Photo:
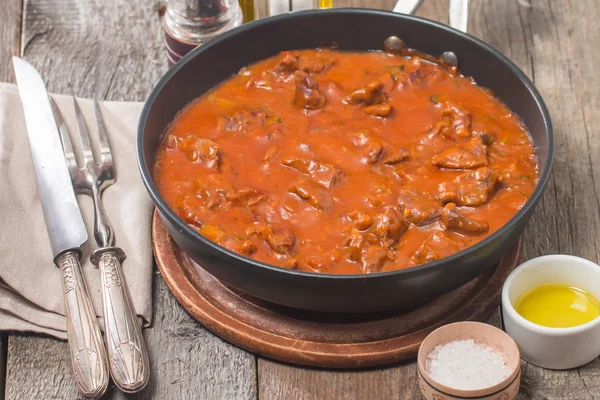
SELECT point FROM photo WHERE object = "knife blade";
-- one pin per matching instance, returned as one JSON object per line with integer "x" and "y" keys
{"x": 66, "y": 230}
{"x": 64, "y": 222}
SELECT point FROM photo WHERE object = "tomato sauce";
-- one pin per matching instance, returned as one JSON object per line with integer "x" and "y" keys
{"x": 341, "y": 162}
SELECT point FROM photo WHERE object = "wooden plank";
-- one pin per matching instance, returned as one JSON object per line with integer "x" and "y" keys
{"x": 10, "y": 36}
{"x": 114, "y": 50}
{"x": 110, "y": 49}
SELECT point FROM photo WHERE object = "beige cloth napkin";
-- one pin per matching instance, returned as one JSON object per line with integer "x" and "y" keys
{"x": 31, "y": 294}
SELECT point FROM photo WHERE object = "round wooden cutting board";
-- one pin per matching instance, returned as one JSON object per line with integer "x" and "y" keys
{"x": 315, "y": 339}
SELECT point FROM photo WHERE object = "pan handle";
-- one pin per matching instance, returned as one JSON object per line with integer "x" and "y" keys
{"x": 407, "y": 6}
{"x": 458, "y": 11}
{"x": 458, "y": 14}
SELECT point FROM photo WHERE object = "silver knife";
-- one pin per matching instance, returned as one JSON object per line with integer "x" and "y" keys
{"x": 66, "y": 230}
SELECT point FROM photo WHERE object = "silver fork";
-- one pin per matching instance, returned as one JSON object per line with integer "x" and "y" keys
{"x": 127, "y": 353}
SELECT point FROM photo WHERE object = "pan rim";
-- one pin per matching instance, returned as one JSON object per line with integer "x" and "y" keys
{"x": 166, "y": 212}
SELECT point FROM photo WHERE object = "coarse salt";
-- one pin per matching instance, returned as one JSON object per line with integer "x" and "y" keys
{"x": 466, "y": 365}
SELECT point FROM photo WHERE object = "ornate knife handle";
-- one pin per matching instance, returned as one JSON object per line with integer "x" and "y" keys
{"x": 124, "y": 341}
{"x": 85, "y": 341}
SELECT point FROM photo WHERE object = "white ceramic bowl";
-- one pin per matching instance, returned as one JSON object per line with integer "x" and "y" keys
{"x": 553, "y": 348}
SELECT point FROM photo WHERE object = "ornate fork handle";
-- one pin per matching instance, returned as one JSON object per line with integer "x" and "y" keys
{"x": 85, "y": 341}
{"x": 124, "y": 341}
{"x": 103, "y": 232}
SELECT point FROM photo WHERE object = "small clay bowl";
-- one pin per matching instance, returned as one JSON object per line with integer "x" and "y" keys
{"x": 481, "y": 334}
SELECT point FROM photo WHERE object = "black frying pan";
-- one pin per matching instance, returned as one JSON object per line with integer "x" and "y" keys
{"x": 358, "y": 30}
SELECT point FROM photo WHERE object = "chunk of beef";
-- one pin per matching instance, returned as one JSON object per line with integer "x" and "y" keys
{"x": 246, "y": 247}
{"x": 355, "y": 243}
{"x": 456, "y": 122}
{"x": 373, "y": 258}
{"x": 242, "y": 246}
{"x": 418, "y": 72}
{"x": 414, "y": 65}
{"x": 382, "y": 196}
{"x": 288, "y": 64}
{"x": 418, "y": 208}
{"x": 243, "y": 121}
{"x": 379, "y": 110}
{"x": 362, "y": 221}
{"x": 393, "y": 173}
{"x": 388, "y": 81}
{"x": 265, "y": 80}
{"x": 404, "y": 78}
{"x": 211, "y": 197}
{"x": 290, "y": 262}
{"x": 455, "y": 220}
{"x": 375, "y": 201}
{"x": 281, "y": 240}
{"x": 190, "y": 210}
{"x": 326, "y": 175}
{"x": 406, "y": 173}
{"x": 322, "y": 261}
{"x": 235, "y": 122}
{"x": 444, "y": 128}
{"x": 389, "y": 226}
{"x": 395, "y": 156}
{"x": 200, "y": 150}
{"x": 304, "y": 165}
{"x": 320, "y": 63}
{"x": 372, "y": 150}
{"x": 171, "y": 142}
{"x": 470, "y": 155}
{"x": 367, "y": 251}
{"x": 204, "y": 199}
{"x": 307, "y": 92}
{"x": 311, "y": 192}
{"x": 461, "y": 119}
{"x": 245, "y": 197}
{"x": 317, "y": 263}
{"x": 370, "y": 146}
{"x": 470, "y": 189}
{"x": 437, "y": 246}
{"x": 373, "y": 93}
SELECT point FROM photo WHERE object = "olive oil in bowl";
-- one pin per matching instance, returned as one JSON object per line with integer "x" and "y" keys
{"x": 557, "y": 306}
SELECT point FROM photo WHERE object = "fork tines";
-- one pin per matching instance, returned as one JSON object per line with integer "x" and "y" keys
{"x": 85, "y": 149}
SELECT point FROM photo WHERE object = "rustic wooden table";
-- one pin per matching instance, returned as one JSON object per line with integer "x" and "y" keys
{"x": 113, "y": 49}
